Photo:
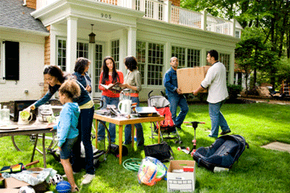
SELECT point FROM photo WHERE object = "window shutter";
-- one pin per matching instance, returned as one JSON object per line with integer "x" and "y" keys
{"x": 11, "y": 60}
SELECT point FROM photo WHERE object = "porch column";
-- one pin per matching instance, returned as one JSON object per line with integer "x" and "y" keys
{"x": 71, "y": 44}
{"x": 203, "y": 55}
{"x": 203, "y": 20}
{"x": 233, "y": 28}
{"x": 132, "y": 41}
{"x": 167, "y": 11}
{"x": 231, "y": 68}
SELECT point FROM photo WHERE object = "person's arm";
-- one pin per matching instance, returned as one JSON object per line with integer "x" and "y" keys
{"x": 100, "y": 82}
{"x": 137, "y": 78}
{"x": 41, "y": 101}
{"x": 200, "y": 88}
{"x": 170, "y": 87}
{"x": 64, "y": 126}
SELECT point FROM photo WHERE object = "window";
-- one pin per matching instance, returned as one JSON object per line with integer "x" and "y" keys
{"x": 1, "y": 62}
{"x": 179, "y": 52}
{"x": 225, "y": 59}
{"x": 11, "y": 60}
{"x": 186, "y": 57}
{"x": 61, "y": 54}
{"x": 82, "y": 51}
{"x": 115, "y": 52}
{"x": 98, "y": 65}
{"x": 155, "y": 63}
{"x": 150, "y": 57}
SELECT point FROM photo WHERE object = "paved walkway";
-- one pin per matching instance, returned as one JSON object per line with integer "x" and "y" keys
{"x": 278, "y": 146}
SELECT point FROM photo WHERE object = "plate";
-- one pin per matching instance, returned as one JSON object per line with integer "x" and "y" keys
{"x": 8, "y": 127}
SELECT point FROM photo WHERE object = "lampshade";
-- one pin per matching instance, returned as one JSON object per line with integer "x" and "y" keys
{"x": 92, "y": 35}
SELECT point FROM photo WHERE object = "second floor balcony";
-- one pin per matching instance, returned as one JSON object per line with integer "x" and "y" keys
{"x": 163, "y": 10}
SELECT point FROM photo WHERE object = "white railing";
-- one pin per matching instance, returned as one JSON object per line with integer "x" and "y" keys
{"x": 185, "y": 17}
{"x": 219, "y": 25}
{"x": 164, "y": 11}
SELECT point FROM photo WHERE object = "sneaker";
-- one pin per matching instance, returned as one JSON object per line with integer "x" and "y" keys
{"x": 88, "y": 178}
{"x": 178, "y": 127}
{"x": 225, "y": 132}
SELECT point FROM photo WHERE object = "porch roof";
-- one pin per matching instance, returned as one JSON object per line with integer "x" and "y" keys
{"x": 16, "y": 16}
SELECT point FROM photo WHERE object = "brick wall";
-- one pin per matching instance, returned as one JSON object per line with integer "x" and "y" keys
{"x": 176, "y": 2}
{"x": 31, "y": 4}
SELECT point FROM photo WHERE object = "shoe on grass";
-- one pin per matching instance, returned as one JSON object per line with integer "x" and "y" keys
{"x": 225, "y": 132}
{"x": 88, "y": 178}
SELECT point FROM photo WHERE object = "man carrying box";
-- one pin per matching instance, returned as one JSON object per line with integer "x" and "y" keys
{"x": 175, "y": 96}
{"x": 215, "y": 80}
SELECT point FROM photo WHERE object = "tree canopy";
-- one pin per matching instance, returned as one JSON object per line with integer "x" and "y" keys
{"x": 265, "y": 42}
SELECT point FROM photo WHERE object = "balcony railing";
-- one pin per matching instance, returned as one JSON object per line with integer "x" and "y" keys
{"x": 163, "y": 10}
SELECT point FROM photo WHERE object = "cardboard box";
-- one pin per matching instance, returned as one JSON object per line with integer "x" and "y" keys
{"x": 180, "y": 181}
{"x": 189, "y": 79}
{"x": 14, "y": 184}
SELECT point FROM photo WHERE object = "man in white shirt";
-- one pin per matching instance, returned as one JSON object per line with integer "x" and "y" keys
{"x": 215, "y": 81}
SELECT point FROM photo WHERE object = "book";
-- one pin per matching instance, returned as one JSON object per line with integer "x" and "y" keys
{"x": 116, "y": 87}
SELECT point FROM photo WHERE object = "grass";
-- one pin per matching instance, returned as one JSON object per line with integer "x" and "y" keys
{"x": 258, "y": 169}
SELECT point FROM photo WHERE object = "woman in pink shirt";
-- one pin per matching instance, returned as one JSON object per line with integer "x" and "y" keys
{"x": 109, "y": 76}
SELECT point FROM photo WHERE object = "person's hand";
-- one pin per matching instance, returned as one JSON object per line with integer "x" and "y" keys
{"x": 124, "y": 85}
{"x": 178, "y": 90}
{"x": 89, "y": 88}
{"x": 195, "y": 92}
{"x": 59, "y": 148}
{"x": 32, "y": 107}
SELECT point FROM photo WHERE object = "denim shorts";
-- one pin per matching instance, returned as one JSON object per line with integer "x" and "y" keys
{"x": 66, "y": 148}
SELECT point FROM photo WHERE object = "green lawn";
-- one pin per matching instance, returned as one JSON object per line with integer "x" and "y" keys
{"x": 258, "y": 169}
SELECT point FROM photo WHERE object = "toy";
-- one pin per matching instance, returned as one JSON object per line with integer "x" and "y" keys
{"x": 26, "y": 189}
{"x": 193, "y": 149}
{"x": 55, "y": 179}
{"x": 63, "y": 187}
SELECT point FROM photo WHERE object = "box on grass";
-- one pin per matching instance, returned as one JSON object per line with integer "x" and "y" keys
{"x": 189, "y": 79}
{"x": 178, "y": 179}
{"x": 12, "y": 185}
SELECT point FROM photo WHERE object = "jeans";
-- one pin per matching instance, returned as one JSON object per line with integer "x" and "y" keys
{"x": 178, "y": 100}
{"x": 217, "y": 118}
{"x": 112, "y": 127}
{"x": 85, "y": 128}
{"x": 138, "y": 126}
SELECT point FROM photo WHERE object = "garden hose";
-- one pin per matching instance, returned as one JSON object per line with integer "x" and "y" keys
{"x": 132, "y": 164}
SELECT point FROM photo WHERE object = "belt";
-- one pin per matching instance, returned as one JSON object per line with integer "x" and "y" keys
{"x": 134, "y": 94}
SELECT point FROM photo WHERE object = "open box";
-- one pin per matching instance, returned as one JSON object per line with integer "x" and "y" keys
{"x": 189, "y": 79}
{"x": 178, "y": 179}
{"x": 12, "y": 185}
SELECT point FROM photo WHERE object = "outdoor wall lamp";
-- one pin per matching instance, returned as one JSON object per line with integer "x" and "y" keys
{"x": 92, "y": 35}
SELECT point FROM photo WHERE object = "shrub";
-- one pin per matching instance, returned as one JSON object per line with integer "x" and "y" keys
{"x": 234, "y": 90}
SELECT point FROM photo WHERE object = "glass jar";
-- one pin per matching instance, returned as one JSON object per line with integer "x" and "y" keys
{"x": 5, "y": 114}
{"x": 126, "y": 94}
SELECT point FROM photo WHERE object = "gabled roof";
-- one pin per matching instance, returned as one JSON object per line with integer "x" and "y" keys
{"x": 14, "y": 15}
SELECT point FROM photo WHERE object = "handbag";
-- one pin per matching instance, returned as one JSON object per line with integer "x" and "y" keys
{"x": 161, "y": 151}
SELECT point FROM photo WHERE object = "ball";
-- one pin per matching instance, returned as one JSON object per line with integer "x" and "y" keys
{"x": 26, "y": 189}
{"x": 63, "y": 187}
{"x": 55, "y": 179}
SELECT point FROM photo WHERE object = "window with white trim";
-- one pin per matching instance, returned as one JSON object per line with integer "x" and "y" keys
{"x": 187, "y": 57}
{"x": 115, "y": 52}
{"x": 150, "y": 57}
{"x": 98, "y": 65}
{"x": 82, "y": 51}
{"x": 225, "y": 59}
{"x": 1, "y": 62}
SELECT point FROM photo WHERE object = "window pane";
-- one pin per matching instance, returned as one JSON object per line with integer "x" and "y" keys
{"x": 115, "y": 52}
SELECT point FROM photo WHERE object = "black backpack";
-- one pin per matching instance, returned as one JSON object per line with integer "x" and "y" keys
{"x": 222, "y": 153}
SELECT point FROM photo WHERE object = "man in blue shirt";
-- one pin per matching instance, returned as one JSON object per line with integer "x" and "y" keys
{"x": 174, "y": 94}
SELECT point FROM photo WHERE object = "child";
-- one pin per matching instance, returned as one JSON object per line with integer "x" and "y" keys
{"x": 67, "y": 132}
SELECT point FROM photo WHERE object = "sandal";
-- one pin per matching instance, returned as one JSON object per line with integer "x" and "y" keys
{"x": 76, "y": 189}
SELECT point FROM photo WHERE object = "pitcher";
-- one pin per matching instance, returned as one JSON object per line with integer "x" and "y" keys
{"x": 24, "y": 117}
{"x": 124, "y": 106}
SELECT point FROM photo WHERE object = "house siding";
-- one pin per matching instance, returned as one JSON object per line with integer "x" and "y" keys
{"x": 31, "y": 4}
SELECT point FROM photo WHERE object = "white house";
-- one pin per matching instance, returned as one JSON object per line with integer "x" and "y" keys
{"x": 57, "y": 32}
